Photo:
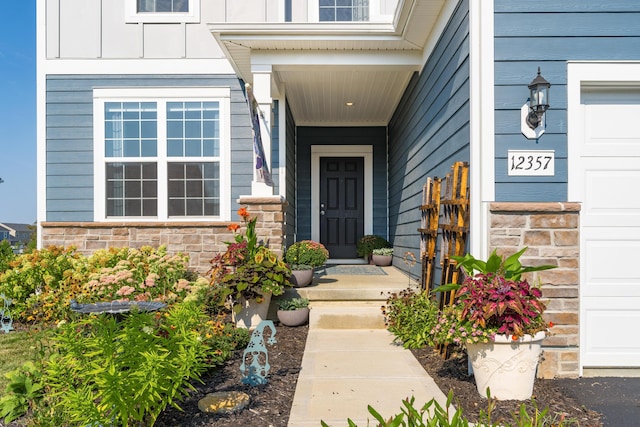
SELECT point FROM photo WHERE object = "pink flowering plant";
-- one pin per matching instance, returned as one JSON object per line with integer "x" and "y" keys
{"x": 144, "y": 274}
{"x": 496, "y": 300}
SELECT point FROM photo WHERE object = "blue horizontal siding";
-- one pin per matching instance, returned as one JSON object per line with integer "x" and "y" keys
{"x": 548, "y": 34}
{"x": 69, "y": 134}
{"x": 429, "y": 132}
{"x": 308, "y": 136}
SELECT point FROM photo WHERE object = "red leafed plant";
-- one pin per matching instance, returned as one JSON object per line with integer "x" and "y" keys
{"x": 495, "y": 300}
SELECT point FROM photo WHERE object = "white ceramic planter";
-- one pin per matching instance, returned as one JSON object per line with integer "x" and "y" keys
{"x": 252, "y": 313}
{"x": 301, "y": 278}
{"x": 507, "y": 367}
{"x": 382, "y": 260}
{"x": 296, "y": 317}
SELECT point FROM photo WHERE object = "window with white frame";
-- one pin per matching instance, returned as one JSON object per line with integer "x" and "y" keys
{"x": 162, "y": 11}
{"x": 344, "y": 10}
{"x": 161, "y": 153}
{"x": 163, "y": 6}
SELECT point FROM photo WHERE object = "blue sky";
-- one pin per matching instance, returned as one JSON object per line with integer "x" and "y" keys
{"x": 18, "y": 112}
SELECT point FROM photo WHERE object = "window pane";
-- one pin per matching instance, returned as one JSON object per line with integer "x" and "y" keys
{"x": 194, "y": 207}
{"x": 343, "y": 14}
{"x": 131, "y": 189}
{"x": 327, "y": 15}
{"x": 149, "y": 148}
{"x": 193, "y": 189}
{"x": 211, "y": 207}
{"x": 131, "y": 148}
{"x": 190, "y": 128}
{"x": 193, "y": 148}
{"x": 124, "y": 120}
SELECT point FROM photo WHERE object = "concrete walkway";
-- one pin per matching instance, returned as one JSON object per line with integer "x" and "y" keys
{"x": 350, "y": 360}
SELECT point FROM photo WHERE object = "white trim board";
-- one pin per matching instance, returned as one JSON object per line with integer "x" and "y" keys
{"x": 318, "y": 151}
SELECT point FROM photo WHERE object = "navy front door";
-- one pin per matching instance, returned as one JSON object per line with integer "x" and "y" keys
{"x": 341, "y": 204}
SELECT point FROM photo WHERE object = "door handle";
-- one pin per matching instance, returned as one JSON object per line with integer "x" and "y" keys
{"x": 321, "y": 212}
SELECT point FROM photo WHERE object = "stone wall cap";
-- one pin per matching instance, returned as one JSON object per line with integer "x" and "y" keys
{"x": 136, "y": 224}
{"x": 261, "y": 200}
{"x": 534, "y": 207}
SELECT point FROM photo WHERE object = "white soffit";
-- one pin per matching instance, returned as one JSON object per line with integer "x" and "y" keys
{"x": 325, "y": 65}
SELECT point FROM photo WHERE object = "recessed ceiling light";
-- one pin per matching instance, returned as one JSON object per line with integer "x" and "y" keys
{"x": 349, "y": 104}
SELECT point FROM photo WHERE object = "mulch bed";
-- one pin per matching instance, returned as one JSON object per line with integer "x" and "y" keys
{"x": 270, "y": 404}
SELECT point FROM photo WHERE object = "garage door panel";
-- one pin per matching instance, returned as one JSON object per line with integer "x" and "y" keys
{"x": 611, "y": 198}
{"x": 611, "y": 130}
{"x": 611, "y": 263}
{"x": 607, "y": 343}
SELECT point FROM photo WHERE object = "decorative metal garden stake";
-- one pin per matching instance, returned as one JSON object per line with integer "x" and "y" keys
{"x": 256, "y": 352}
{"x": 5, "y": 315}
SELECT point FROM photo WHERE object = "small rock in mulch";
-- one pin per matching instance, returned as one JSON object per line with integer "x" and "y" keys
{"x": 224, "y": 402}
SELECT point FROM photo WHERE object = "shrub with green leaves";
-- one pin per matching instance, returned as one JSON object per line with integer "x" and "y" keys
{"x": 6, "y": 255}
{"x": 25, "y": 388}
{"x": 410, "y": 316}
{"x": 125, "y": 372}
{"x": 42, "y": 283}
{"x": 368, "y": 243}
{"x": 32, "y": 277}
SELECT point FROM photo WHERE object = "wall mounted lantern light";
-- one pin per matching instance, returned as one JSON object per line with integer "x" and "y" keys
{"x": 533, "y": 113}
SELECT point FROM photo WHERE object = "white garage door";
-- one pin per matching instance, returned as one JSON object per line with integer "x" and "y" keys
{"x": 609, "y": 165}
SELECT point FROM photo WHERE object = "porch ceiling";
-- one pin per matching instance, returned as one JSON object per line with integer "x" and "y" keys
{"x": 322, "y": 66}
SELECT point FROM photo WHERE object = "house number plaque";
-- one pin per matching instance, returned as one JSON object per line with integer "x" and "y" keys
{"x": 531, "y": 163}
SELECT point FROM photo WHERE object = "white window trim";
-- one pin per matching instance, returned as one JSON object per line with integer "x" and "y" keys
{"x": 150, "y": 94}
{"x": 318, "y": 151}
{"x": 133, "y": 17}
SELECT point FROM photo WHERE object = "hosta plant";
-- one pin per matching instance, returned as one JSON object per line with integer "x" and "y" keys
{"x": 496, "y": 300}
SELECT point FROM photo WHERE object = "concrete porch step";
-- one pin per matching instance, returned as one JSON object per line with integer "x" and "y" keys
{"x": 348, "y": 301}
{"x": 346, "y": 315}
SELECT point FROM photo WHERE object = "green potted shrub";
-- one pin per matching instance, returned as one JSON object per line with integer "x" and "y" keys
{"x": 498, "y": 317}
{"x": 303, "y": 257}
{"x": 366, "y": 245}
{"x": 382, "y": 257}
{"x": 294, "y": 311}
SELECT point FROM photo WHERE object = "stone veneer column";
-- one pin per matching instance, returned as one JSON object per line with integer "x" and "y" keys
{"x": 551, "y": 233}
{"x": 270, "y": 226}
{"x": 201, "y": 241}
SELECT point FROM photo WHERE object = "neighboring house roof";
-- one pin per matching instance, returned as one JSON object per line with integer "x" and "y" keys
{"x": 16, "y": 230}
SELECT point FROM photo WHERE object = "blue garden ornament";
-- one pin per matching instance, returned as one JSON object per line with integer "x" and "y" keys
{"x": 6, "y": 320}
{"x": 257, "y": 356}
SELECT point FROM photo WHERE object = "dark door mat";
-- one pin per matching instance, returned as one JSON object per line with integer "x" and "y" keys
{"x": 356, "y": 270}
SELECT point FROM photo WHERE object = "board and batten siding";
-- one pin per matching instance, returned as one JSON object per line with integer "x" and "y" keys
{"x": 547, "y": 34}
{"x": 69, "y": 135}
{"x": 429, "y": 132}
{"x": 103, "y": 32}
{"x": 308, "y": 136}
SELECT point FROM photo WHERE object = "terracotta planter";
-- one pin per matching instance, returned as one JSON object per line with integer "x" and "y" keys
{"x": 296, "y": 317}
{"x": 382, "y": 260}
{"x": 301, "y": 278}
{"x": 507, "y": 367}
{"x": 252, "y": 313}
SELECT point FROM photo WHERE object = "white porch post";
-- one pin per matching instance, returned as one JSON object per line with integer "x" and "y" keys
{"x": 262, "y": 93}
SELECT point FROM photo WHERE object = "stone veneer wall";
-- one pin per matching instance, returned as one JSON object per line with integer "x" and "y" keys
{"x": 200, "y": 240}
{"x": 551, "y": 232}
